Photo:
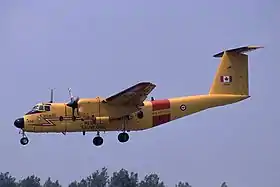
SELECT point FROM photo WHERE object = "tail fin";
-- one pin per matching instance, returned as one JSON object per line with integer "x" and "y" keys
{"x": 232, "y": 73}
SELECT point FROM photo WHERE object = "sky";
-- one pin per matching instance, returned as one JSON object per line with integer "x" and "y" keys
{"x": 99, "y": 48}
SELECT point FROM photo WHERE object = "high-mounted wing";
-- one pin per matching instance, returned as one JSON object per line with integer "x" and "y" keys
{"x": 133, "y": 96}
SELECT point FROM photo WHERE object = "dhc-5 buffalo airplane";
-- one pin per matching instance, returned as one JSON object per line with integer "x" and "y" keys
{"x": 129, "y": 110}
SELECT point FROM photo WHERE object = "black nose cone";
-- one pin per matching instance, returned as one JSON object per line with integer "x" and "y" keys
{"x": 19, "y": 123}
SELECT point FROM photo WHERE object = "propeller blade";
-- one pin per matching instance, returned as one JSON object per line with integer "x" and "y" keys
{"x": 70, "y": 93}
{"x": 73, "y": 103}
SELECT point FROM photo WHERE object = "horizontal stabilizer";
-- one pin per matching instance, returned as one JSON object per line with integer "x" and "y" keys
{"x": 238, "y": 50}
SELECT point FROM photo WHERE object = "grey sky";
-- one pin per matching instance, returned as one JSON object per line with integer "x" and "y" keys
{"x": 99, "y": 48}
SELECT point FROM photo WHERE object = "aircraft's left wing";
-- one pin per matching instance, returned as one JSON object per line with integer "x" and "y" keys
{"x": 132, "y": 96}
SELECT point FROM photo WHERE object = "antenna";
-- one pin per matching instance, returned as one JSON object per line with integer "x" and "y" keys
{"x": 51, "y": 101}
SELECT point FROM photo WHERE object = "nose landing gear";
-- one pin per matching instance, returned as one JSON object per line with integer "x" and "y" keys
{"x": 24, "y": 140}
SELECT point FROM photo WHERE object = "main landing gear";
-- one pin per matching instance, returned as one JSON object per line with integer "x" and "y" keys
{"x": 97, "y": 140}
{"x": 122, "y": 137}
{"x": 24, "y": 140}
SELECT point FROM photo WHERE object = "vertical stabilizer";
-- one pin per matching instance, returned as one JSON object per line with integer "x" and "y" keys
{"x": 232, "y": 74}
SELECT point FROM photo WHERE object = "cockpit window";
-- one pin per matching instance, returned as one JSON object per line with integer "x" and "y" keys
{"x": 36, "y": 107}
{"x": 39, "y": 108}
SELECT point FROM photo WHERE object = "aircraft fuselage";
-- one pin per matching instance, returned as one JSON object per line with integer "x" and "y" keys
{"x": 154, "y": 113}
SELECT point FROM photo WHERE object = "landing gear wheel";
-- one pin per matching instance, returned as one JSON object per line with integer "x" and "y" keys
{"x": 123, "y": 137}
{"x": 97, "y": 141}
{"x": 24, "y": 141}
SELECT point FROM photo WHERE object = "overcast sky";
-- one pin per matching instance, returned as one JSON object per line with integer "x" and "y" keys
{"x": 100, "y": 48}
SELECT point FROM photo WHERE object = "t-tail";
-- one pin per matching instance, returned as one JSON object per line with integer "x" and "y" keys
{"x": 232, "y": 75}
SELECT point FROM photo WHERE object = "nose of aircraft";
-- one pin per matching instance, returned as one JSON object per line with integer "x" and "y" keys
{"x": 19, "y": 123}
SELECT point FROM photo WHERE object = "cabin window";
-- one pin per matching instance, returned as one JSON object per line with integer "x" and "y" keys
{"x": 47, "y": 108}
{"x": 41, "y": 108}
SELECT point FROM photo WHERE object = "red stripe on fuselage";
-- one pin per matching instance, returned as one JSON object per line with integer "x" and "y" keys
{"x": 158, "y": 120}
{"x": 160, "y": 104}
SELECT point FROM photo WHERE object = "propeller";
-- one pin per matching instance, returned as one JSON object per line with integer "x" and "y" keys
{"x": 73, "y": 103}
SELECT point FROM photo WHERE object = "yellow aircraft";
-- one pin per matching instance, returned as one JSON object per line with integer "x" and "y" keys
{"x": 129, "y": 110}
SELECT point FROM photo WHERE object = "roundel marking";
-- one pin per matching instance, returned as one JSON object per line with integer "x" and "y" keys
{"x": 183, "y": 107}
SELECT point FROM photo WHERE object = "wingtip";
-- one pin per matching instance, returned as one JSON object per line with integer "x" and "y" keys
{"x": 152, "y": 84}
{"x": 255, "y": 46}
{"x": 147, "y": 83}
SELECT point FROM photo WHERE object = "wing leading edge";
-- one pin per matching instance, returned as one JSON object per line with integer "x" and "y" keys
{"x": 132, "y": 96}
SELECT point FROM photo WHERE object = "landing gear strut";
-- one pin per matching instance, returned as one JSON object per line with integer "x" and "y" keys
{"x": 97, "y": 140}
{"x": 123, "y": 136}
{"x": 24, "y": 140}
